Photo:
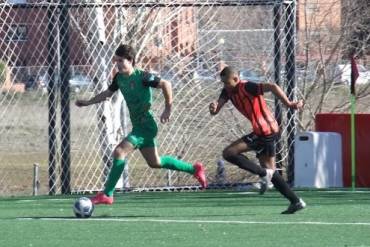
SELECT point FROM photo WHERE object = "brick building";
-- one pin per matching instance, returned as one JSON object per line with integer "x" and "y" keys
{"x": 24, "y": 37}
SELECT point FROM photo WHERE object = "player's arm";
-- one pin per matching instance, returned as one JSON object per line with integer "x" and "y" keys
{"x": 216, "y": 106}
{"x": 152, "y": 80}
{"x": 278, "y": 92}
{"x": 167, "y": 93}
{"x": 106, "y": 94}
{"x": 96, "y": 99}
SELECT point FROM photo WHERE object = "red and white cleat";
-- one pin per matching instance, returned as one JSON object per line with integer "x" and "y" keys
{"x": 200, "y": 174}
{"x": 102, "y": 198}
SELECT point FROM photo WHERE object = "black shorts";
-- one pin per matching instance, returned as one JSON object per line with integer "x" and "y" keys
{"x": 263, "y": 145}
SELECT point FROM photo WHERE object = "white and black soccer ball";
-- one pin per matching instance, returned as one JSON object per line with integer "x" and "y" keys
{"x": 83, "y": 207}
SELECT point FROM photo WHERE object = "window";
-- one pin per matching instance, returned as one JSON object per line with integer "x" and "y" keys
{"x": 17, "y": 32}
{"x": 16, "y": 1}
{"x": 312, "y": 8}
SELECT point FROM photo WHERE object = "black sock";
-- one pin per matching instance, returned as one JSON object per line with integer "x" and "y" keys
{"x": 246, "y": 164}
{"x": 283, "y": 187}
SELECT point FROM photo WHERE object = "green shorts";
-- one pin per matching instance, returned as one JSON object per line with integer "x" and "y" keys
{"x": 143, "y": 134}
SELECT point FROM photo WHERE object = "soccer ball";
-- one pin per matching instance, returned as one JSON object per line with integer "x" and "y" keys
{"x": 83, "y": 207}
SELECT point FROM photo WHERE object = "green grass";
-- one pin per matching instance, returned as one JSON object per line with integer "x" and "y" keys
{"x": 190, "y": 219}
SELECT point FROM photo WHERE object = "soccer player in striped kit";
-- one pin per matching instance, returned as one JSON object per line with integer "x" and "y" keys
{"x": 248, "y": 98}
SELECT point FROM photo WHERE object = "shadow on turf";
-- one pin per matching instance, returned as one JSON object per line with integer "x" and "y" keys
{"x": 124, "y": 216}
{"x": 74, "y": 218}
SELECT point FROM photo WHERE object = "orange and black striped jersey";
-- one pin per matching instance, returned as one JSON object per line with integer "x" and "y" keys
{"x": 248, "y": 98}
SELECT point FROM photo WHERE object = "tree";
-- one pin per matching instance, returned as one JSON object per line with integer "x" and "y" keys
{"x": 323, "y": 44}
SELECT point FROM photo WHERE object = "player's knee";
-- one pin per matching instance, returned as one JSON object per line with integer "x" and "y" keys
{"x": 154, "y": 165}
{"x": 227, "y": 154}
{"x": 119, "y": 153}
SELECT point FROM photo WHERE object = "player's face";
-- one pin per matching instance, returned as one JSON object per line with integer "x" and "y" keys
{"x": 230, "y": 82}
{"x": 123, "y": 65}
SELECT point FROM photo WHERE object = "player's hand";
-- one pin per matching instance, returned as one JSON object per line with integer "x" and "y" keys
{"x": 165, "y": 117}
{"x": 298, "y": 105}
{"x": 213, "y": 108}
{"x": 81, "y": 103}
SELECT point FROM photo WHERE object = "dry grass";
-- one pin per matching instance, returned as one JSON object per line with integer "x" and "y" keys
{"x": 194, "y": 136}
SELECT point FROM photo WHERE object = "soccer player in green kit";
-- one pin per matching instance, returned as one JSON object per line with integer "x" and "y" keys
{"x": 135, "y": 85}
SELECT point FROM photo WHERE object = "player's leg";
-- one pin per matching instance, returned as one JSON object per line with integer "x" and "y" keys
{"x": 119, "y": 155}
{"x": 265, "y": 149}
{"x": 152, "y": 158}
{"x": 279, "y": 183}
{"x": 233, "y": 154}
{"x": 266, "y": 180}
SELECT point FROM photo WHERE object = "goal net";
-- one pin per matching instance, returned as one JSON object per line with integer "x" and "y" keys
{"x": 54, "y": 53}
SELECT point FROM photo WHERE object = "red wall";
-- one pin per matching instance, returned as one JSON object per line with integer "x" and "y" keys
{"x": 331, "y": 122}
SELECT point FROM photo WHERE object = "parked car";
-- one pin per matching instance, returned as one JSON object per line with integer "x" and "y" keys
{"x": 307, "y": 74}
{"x": 171, "y": 76}
{"x": 79, "y": 81}
{"x": 249, "y": 75}
{"x": 203, "y": 75}
{"x": 30, "y": 83}
{"x": 76, "y": 82}
{"x": 43, "y": 80}
{"x": 343, "y": 74}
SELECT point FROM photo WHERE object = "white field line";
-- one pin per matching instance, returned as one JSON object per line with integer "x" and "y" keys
{"x": 206, "y": 221}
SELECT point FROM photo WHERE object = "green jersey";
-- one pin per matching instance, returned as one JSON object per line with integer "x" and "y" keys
{"x": 136, "y": 89}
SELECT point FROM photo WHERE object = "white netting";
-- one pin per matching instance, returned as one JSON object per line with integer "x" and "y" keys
{"x": 44, "y": 46}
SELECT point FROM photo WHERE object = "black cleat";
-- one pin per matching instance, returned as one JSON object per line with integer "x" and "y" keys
{"x": 263, "y": 187}
{"x": 295, "y": 207}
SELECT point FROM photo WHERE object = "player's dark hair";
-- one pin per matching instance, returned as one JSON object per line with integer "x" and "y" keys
{"x": 126, "y": 51}
{"x": 227, "y": 72}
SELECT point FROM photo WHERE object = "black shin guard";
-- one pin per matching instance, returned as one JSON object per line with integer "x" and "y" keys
{"x": 282, "y": 186}
{"x": 246, "y": 164}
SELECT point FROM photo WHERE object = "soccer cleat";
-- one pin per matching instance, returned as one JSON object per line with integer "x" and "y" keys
{"x": 263, "y": 187}
{"x": 266, "y": 180}
{"x": 200, "y": 174}
{"x": 294, "y": 207}
{"x": 101, "y": 198}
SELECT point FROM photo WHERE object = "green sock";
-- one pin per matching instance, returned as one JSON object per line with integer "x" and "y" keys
{"x": 114, "y": 175}
{"x": 169, "y": 162}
